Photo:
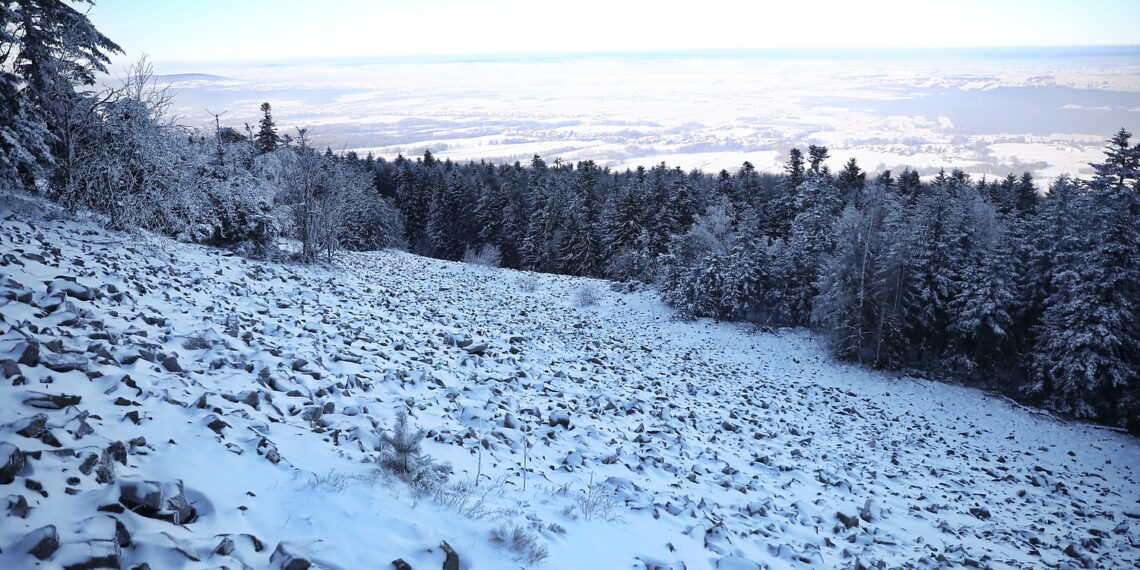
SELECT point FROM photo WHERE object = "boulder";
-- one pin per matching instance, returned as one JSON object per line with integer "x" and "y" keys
{"x": 289, "y": 556}
{"x": 52, "y": 401}
{"x": 559, "y": 418}
{"x": 451, "y": 559}
{"x": 32, "y": 427}
{"x": 9, "y": 368}
{"x": 157, "y": 500}
{"x": 18, "y": 506}
{"x": 43, "y": 541}
{"x": 29, "y": 353}
{"x": 11, "y": 462}
{"x": 65, "y": 362}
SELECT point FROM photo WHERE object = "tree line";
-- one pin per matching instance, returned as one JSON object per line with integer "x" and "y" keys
{"x": 986, "y": 281}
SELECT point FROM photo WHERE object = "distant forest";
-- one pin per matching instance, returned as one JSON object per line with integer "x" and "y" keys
{"x": 989, "y": 282}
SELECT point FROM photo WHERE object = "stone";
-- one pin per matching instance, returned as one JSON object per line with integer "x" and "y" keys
{"x": 32, "y": 427}
{"x": 63, "y": 362}
{"x": 44, "y": 541}
{"x": 849, "y": 521}
{"x": 9, "y": 368}
{"x": 225, "y": 547}
{"x": 72, "y": 289}
{"x": 11, "y": 462}
{"x": 18, "y": 506}
{"x": 29, "y": 354}
{"x": 399, "y": 564}
{"x": 170, "y": 363}
{"x": 559, "y": 418}
{"x": 52, "y": 401}
{"x": 157, "y": 500}
{"x": 90, "y": 554}
{"x": 289, "y": 556}
{"x": 451, "y": 558}
{"x": 216, "y": 424}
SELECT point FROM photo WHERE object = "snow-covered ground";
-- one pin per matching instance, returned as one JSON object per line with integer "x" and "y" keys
{"x": 610, "y": 435}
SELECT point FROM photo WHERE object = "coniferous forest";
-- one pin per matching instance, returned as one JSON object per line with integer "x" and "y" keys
{"x": 1029, "y": 288}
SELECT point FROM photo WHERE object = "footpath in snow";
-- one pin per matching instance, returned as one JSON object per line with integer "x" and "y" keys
{"x": 174, "y": 406}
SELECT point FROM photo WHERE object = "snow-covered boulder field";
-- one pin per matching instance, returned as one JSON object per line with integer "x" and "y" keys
{"x": 170, "y": 406}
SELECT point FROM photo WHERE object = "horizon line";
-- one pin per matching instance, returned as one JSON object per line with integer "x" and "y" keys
{"x": 666, "y": 53}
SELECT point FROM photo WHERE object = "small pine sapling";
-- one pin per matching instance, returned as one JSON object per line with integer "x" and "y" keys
{"x": 402, "y": 446}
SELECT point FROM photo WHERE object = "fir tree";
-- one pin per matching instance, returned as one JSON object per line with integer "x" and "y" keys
{"x": 266, "y": 140}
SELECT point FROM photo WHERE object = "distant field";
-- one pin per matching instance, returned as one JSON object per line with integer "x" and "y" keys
{"x": 985, "y": 112}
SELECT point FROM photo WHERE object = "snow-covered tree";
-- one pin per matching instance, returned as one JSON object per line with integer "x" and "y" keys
{"x": 266, "y": 140}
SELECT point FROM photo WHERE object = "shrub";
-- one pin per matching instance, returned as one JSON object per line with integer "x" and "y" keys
{"x": 487, "y": 255}
{"x": 528, "y": 283}
{"x": 401, "y": 455}
{"x": 521, "y": 541}
{"x": 586, "y": 295}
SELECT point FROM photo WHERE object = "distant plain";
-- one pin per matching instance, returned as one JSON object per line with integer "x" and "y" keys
{"x": 988, "y": 112}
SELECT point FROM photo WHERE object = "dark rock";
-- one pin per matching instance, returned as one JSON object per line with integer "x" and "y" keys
{"x": 157, "y": 500}
{"x": 399, "y": 564}
{"x": 30, "y": 354}
{"x": 18, "y": 506}
{"x": 216, "y": 424}
{"x": 118, "y": 452}
{"x": 11, "y": 462}
{"x": 32, "y": 427}
{"x": 88, "y": 463}
{"x": 451, "y": 561}
{"x": 170, "y": 363}
{"x": 252, "y": 399}
{"x": 94, "y": 554}
{"x": 72, "y": 289}
{"x": 559, "y": 418}
{"x": 981, "y": 512}
{"x": 289, "y": 556}
{"x": 63, "y": 362}
{"x": 52, "y": 401}
{"x": 10, "y": 368}
{"x": 225, "y": 547}
{"x": 849, "y": 521}
{"x": 44, "y": 541}
{"x": 105, "y": 472}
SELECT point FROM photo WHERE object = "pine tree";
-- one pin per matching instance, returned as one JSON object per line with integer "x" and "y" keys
{"x": 266, "y": 140}
{"x": 816, "y": 155}
{"x": 47, "y": 49}
{"x": 402, "y": 454}
{"x": 983, "y": 300}
{"x": 1087, "y": 353}
{"x": 812, "y": 237}
{"x": 781, "y": 210}
{"x": 851, "y": 181}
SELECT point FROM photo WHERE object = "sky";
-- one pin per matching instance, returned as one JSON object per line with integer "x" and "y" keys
{"x": 228, "y": 30}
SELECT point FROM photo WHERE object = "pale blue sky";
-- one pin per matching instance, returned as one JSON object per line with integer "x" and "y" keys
{"x": 215, "y": 30}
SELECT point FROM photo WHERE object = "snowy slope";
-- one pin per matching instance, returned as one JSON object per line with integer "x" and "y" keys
{"x": 648, "y": 443}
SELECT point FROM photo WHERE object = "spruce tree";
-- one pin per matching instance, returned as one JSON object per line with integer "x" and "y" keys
{"x": 47, "y": 50}
{"x": 266, "y": 140}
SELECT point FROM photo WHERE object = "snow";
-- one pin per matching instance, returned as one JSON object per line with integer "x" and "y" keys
{"x": 616, "y": 435}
